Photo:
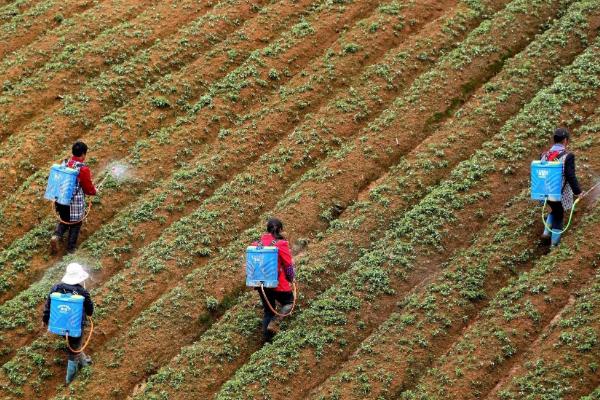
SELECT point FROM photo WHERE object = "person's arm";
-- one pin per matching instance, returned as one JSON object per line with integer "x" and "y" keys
{"x": 570, "y": 175}
{"x": 85, "y": 180}
{"x": 288, "y": 264}
{"x": 46, "y": 314}
{"x": 88, "y": 304}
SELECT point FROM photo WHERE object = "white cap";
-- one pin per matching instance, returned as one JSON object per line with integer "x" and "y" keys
{"x": 75, "y": 274}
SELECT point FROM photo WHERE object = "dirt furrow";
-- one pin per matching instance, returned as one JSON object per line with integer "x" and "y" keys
{"x": 29, "y": 24}
{"x": 46, "y": 90}
{"x": 432, "y": 158}
{"x": 349, "y": 310}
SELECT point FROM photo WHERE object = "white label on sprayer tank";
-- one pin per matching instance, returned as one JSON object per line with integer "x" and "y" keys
{"x": 63, "y": 308}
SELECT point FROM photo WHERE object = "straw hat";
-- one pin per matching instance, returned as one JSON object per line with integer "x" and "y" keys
{"x": 75, "y": 274}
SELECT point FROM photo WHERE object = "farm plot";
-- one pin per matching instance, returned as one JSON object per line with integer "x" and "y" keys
{"x": 349, "y": 303}
{"x": 153, "y": 201}
{"x": 157, "y": 247}
{"x": 374, "y": 129}
{"x": 23, "y": 22}
{"x": 351, "y": 233}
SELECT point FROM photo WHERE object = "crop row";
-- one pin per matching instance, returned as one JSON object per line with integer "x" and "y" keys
{"x": 567, "y": 360}
{"x": 139, "y": 70}
{"x": 389, "y": 195}
{"x": 361, "y": 298}
{"x": 236, "y": 214}
{"x": 81, "y": 27}
{"x": 229, "y": 216}
{"x": 47, "y": 91}
{"x": 27, "y": 23}
{"x": 185, "y": 180}
{"x": 123, "y": 226}
{"x": 64, "y": 65}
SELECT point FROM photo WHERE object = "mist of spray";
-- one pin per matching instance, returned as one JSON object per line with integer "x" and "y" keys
{"x": 118, "y": 171}
{"x": 593, "y": 195}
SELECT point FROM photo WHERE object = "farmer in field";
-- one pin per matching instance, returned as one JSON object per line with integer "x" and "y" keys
{"x": 71, "y": 216}
{"x": 571, "y": 189}
{"x": 73, "y": 282}
{"x": 282, "y": 294}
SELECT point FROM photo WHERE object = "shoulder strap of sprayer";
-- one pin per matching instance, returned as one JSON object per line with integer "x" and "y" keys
{"x": 553, "y": 155}
{"x": 260, "y": 243}
{"x": 76, "y": 165}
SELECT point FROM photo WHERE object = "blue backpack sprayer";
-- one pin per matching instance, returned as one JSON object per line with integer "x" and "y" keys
{"x": 66, "y": 314}
{"x": 547, "y": 182}
{"x": 262, "y": 271}
{"x": 62, "y": 183}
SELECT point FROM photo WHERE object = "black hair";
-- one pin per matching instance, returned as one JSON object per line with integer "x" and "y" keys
{"x": 79, "y": 149}
{"x": 560, "y": 134}
{"x": 275, "y": 227}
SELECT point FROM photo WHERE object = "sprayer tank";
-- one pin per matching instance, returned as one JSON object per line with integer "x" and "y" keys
{"x": 546, "y": 180}
{"x": 261, "y": 266}
{"x": 66, "y": 314}
{"x": 61, "y": 184}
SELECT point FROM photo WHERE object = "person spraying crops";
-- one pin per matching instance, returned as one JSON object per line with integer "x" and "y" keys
{"x": 270, "y": 270}
{"x": 556, "y": 168}
{"x": 64, "y": 314}
{"x": 69, "y": 183}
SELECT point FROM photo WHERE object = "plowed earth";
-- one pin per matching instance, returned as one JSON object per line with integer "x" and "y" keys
{"x": 393, "y": 138}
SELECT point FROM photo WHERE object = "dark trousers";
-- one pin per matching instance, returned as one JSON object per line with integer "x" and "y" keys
{"x": 558, "y": 214}
{"x": 555, "y": 221}
{"x": 274, "y": 297}
{"x": 65, "y": 215}
{"x": 75, "y": 343}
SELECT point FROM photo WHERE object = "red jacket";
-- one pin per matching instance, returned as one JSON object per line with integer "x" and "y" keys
{"x": 84, "y": 177}
{"x": 284, "y": 260}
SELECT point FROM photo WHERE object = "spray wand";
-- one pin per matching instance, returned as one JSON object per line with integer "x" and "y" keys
{"x": 581, "y": 196}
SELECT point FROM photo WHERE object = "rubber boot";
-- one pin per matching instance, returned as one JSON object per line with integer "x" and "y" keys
{"x": 72, "y": 368}
{"x": 54, "y": 245}
{"x": 274, "y": 324}
{"x": 545, "y": 238}
{"x": 555, "y": 241}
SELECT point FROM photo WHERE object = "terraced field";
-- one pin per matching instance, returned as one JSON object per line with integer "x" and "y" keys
{"x": 393, "y": 138}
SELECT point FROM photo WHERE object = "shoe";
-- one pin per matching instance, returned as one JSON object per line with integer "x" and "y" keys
{"x": 545, "y": 240}
{"x": 273, "y": 326}
{"x": 54, "y": 240}
{"x": 72, "y": 368}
